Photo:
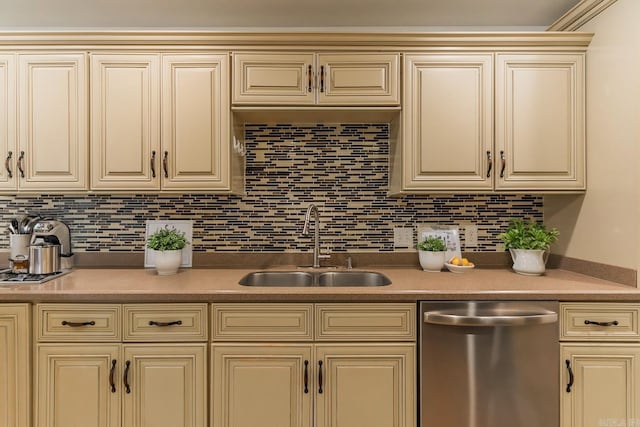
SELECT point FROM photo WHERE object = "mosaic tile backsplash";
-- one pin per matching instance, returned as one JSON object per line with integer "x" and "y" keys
{"x": 342, "y": 168}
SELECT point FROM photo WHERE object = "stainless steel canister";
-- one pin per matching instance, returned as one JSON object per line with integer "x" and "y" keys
{"x": 44, "y": 259}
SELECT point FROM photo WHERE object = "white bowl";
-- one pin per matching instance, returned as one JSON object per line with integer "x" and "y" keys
{"x": 458, "y": 268}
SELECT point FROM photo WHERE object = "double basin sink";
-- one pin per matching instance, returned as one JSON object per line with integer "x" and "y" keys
{"x": 315, "y": 278}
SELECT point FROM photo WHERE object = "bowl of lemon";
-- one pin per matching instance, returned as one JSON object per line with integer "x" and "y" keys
{"x": 459, "y": 265}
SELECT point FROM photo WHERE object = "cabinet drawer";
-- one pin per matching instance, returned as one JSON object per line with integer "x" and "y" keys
{"x": 78, "y": 322}
{"x": 165, "y": 322}
{"x": 618, "y": 322}
{"x": 365, "y": 322}
{"x": 261, "y": 322}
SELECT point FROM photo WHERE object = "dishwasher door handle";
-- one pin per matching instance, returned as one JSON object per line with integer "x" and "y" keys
{"x": 499, "y": 318}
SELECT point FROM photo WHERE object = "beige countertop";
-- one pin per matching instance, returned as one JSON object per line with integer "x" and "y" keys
{"x": 408, "y": 284}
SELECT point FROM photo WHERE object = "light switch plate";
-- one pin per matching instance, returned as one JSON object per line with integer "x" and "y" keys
{"x": 186, "y": 226}
{"x": 402, "y": 238}
{"x": 470, "y": 236}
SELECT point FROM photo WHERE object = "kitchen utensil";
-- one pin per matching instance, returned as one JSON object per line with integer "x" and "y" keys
{"x": 14, "y": 226}
{"x": 44, "y": 259}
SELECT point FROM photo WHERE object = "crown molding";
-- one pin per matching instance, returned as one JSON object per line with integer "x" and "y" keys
{"x": 580, "y": 14}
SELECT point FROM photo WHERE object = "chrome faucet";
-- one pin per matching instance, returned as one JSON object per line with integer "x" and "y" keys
{"x": 313, "y": 210}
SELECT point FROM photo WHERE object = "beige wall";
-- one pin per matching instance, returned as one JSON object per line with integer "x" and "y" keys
{"x": 603, "y": 225}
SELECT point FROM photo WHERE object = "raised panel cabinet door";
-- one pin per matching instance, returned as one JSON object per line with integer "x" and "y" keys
{"x": 125, "y": 122}
{"x": 266, "y": 385}
{"x": 273, "y": 78}
{"x": 165, "y": 385}
{"x": 15, "y": 354}
{"x": 366, "y": 385}
{"x": 448, "y": 122}
{"x": 78, "y": 385}
{"x": 540, "y": 122}
{"x": 53, "y": 138}
{"x": 195, "y": 122}
{"x": 606, "y": 385}
{"x": 8, "y": 105}
{"x": 358, "y": 79}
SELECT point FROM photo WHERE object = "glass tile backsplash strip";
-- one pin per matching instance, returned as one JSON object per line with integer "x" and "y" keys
{"x": 343, "y": 168}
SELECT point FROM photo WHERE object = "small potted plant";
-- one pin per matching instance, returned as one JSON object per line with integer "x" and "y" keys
{"x": 167, "y": 244}
{"x": 432, "y": 252}
{"x": 528, "y": 242}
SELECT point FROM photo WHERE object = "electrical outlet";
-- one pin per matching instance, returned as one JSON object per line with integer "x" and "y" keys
{"x": 470, "y": 236}
{"x": 402, "y": 238}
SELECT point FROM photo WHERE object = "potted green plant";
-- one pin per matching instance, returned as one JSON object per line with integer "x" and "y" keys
{"x": 432, "y": 252}
{"x": 528, "y": 242}
{"x": 167, "y": 244}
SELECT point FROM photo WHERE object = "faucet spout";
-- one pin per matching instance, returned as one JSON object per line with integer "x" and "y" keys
{"x": 313, "y": 210}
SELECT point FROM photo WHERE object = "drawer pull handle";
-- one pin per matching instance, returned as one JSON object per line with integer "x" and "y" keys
{"x": 111, "y": 376}
{"x": 321, "y": 78}
{"x": 310, "y": 76}
{"x": 153, "y": 164}
{"x": 175, "y": 322}
{"x": 306, "y": 376}
{"x": 320, "y": 376}
{"x": 165, "y": 166}
{"x": 591, "y": 322}
{"x": 78, "y": 324}
{"x": 489, "y": 164}
{"x": 570, "y": 384}
{"x": 504, "y": 164}
{"x": 127, "y": 387}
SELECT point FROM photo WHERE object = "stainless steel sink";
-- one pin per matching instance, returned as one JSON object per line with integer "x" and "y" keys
{"x": 316, "y": 278}
{"x": 353, "y": 278}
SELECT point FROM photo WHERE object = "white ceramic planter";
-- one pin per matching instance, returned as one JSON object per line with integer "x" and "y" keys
{"x": 431, "y": 261}
{"x": 530, "y": 262}
{"x": 168, "y": 262}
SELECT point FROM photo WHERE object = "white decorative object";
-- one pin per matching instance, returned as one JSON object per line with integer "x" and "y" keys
{"x": 530, "y": 262}
{"x": 186, "y": 226}
{"x": 449, "y": 234}
{"x": 432, "y": 261}
{"x": 168, "y": 262}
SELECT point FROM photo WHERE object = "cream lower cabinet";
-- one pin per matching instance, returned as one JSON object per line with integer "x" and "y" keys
{"x": 283, "y": 374}
{"x": 15, "y": 366}
{"x": 113, "y": 381}
{"x": 160, "y": 122}
{"x": 600, "y": 358}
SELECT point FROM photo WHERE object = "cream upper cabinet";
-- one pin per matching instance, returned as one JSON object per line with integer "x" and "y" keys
{"x": 452, "y": 141}
{"x": 540, "y": 121}
{"x": 355, "y": 79}
{"x": 160, "y": 122}
{"x": 15, "y": 366}
{"x": 195, "y": 122}
{"x": 125, "y": 118}
{"x": 8, "y": 125}
{"x": 447, "y": 122}
{"x": 600, "y": 364}
{"x": 52, "y": 117}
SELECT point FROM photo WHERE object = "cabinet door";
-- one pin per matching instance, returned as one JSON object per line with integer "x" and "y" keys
{"x": 447, "y": 114}
{"x": 72, "y": 383}
{"x": 8, "y": 180}
{"x": 606, "y": 385}
{"x": 540, "y": 121}
{"x": 15, "y": 397}
{"x": 167, "y": 385}
{"x": 261, "y": 385}
{"x": 358, "y": 79}
{"x": 125, "y": 122}
{"x": 366, "y": 385}
{"x": 53, "y": 140}
{"x": 273, "y": 78}
{"x": 195, "y": 122}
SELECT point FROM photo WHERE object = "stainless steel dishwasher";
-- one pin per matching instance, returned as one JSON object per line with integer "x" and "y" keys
{"x": 489, "y": 364}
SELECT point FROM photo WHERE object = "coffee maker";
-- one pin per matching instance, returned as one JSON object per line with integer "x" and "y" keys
{"x": 55, "y": 233}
